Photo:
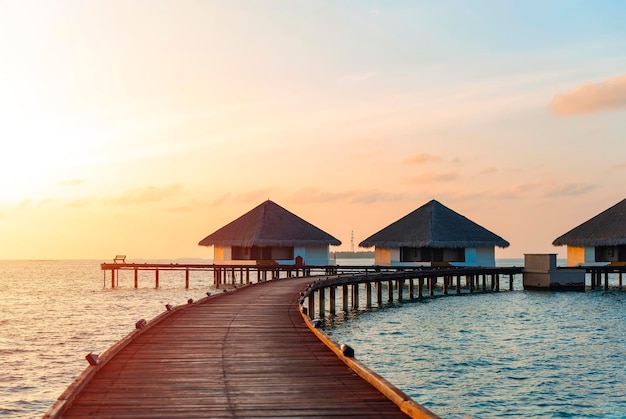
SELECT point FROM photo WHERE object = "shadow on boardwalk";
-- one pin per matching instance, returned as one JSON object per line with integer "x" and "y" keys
{"x": 247, "y": 353}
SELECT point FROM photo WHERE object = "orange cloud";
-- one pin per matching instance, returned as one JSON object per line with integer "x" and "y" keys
{"x": 147, "y": 194}
{"x": 571, "y": 189}
{"x": 592, "y": 97}
{"x": 434, "y": 177}
{"x": 417, "y": 158}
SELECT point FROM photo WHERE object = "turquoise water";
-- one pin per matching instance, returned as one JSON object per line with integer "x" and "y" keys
{"x": 512, "y": 354}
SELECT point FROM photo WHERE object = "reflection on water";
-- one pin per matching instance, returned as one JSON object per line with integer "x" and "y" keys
{"x": 52, "y": 313}
{"x": 512, "y": 354}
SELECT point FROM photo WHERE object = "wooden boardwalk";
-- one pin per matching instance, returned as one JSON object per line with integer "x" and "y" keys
{"x": 247, "y": 353}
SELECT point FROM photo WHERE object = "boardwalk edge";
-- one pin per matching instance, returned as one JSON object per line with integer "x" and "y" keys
{"x": 397, "y": 396}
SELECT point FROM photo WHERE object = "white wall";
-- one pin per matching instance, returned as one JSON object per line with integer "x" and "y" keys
{"x": 478, "y": 256}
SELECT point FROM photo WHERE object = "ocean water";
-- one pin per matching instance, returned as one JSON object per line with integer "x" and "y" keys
{"x": 511, "y": 354}
{"x": 53, "y": 313}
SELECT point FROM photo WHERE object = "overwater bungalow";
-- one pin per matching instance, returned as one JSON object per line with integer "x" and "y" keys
{"x": 269, "y": 234}
{"x": 434, "y": 234}
{"x": 598, "y": 241}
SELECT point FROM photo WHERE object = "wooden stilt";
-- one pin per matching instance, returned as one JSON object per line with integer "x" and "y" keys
{"x": 332, "y": 298}
{"x": 355, "y": 296}
{"x": 420, "y": 287}
{"x": 112, "y": 278}
{"x": 411, "y": 289}
{"x": 312, "y": 305}
{"x": 368, "y": 294}
{"x": 321, "y": 297}
{"x": 136, "y": 277}
{"x": 400, "y": 285}
{"x": 344, "y": 294}
{"x": 458, "y": 284}
{"x": 445, "y": 285}
{"x": 379, "y": 293}
{"x": 390, "y": 291}
{"x": 431, "y": 286}
{"x": 156, "y": 278}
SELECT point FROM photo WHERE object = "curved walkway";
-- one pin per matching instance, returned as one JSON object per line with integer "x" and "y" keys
{"x": 247, "y": 353}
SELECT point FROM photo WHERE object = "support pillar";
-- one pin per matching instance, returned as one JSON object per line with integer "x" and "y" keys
{"x": 379, "y": 293}
{"x": 311, "y": 305}
{"x": 331, "y": 297}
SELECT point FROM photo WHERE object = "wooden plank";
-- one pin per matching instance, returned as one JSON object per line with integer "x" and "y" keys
{"x": 247, "y": 353}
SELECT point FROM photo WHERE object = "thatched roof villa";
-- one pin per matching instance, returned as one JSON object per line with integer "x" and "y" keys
{"x": 434, "y": 234}
{"x": 267, "y": 234}
{"x": 599, "y": 240}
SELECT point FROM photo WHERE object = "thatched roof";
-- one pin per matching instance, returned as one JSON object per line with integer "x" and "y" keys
{"x": 434, "y": 225}
{"x": 269, "y": 224}
{"x": 605, "y": 229}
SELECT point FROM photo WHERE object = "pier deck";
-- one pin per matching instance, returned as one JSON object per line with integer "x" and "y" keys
{"x": 247, "y": 353}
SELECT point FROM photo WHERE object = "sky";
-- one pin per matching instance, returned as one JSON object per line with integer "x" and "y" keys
{"x": 140, "y": 127}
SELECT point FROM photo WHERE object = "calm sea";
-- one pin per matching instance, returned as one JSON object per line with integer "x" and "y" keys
{"x": 511, "y": 354}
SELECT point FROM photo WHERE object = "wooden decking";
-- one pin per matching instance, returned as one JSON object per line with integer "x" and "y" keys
{"x": 248, "y": 353}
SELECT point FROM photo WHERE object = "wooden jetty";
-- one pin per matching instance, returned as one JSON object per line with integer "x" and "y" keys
{"x": 244, "y": 353}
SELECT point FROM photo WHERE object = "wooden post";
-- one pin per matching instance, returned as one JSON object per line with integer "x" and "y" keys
{"x": 112, "y": 278}
{"x": 606, "y": 280}
{"x": 321, "y": 297}
{"x": 344, "y": 292}
{"x": 311, "y": 305}
{"x": 619, "y": 281}
{"x": 379, "y": 293}
{"x": 431, "y": 286}
{"x": 136, "y": 277}
{"x": 420, "y": 287}
{"x": 156, "y": 278}
{"x": 445, "y": 285}
{"x": 331, "y": 297}
{"x": 247, "y": 275}
{"x": 497, "y": 282}
{"x": 400, "y": 285}
{"x": 510, "y": 282}
{"x": 390, "y": 291}
{"x": 355, "y": 296}
{"x": 458, "y": 284}
{"x": 368, "y": 294}
{"x": 471, "y": 283}
{"x": 411, "y": 289}
{"x": 484, "y": 276}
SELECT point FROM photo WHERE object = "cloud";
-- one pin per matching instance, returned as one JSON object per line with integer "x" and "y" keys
{"x": 369, "y": 197}
{"x": 320, "y": 196}
{"x": 434, "y": 177}
{"x": 71, "y": 182}
{"x": 419, "y": 158}
{"x": 518, "y": 190}
{"x": 571, "y": 189}
{"x": 592, "y": 97}
{"x": 146, "y": 194}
